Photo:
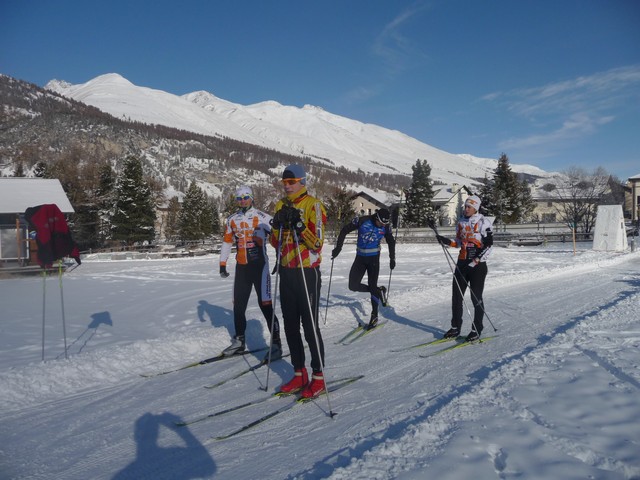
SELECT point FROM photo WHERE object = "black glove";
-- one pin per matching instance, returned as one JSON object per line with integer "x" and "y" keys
{"x": 280, "y": 218}
{"x": 223, "y": 271}
{"x": 335, "y": 252}
{"x": 287, "y": 217}
{"x": 443, "y": 240}
{"x": 392, "y": 263}
{"x": 293, "y": 215}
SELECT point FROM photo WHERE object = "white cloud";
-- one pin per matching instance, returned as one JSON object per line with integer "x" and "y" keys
{"x": 576, "y": 107}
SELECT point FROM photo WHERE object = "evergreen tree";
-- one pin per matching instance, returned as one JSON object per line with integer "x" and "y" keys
{"x": 134, "y": 213}
{"x": 171, "y": 229}
{"x": 339, "y": 209}
{"x": 105, "y": 200}
{"x": 419, "y": 196}
{"x": 216, "y": 227}
{"x": 194, "y": 220}
{"x": 505, "y": 197}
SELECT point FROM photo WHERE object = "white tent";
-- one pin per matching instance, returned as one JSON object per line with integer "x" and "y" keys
{"x": 610, "y": 233}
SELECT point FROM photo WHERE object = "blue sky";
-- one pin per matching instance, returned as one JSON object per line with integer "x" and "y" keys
{"x": 553, "y": 83}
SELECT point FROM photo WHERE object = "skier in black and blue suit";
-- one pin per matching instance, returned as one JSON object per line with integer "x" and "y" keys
{"x": 371, "y": 230}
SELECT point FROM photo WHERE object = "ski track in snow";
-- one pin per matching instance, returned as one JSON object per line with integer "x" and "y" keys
{"x": 503, "y": 409}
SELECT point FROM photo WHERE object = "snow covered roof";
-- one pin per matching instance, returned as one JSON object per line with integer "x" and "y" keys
{"x": 18, "y": 194}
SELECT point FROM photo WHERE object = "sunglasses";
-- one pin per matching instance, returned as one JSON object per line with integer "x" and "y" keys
{"x": 245, "y": 197}
{"x": 290, "y": 181}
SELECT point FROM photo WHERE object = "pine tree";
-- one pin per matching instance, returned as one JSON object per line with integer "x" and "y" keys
{"x": 216, "y": 227}
{"x": 134, "y": 213}
{"x": 105, "y": 201}
{"x": 505, "y": 197}
{"x": 171, "y": 229}
{"x": 419, "y": 196}
{"x": 195, "y": 220}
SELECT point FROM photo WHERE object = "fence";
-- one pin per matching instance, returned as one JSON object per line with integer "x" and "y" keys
{"x": 518, "y": 234}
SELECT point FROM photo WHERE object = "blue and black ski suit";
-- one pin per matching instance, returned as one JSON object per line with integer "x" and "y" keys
{"x": 367, "y": 255}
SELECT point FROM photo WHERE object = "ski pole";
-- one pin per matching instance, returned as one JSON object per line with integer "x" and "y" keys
{"x": 396, "y": 237}
{"x": 326, "y": 309}
{"x": 313, "y": 321}
{"x": 44, "y": 294}
{"x": 64, "y": 323}
{"x": 273, "y": 313}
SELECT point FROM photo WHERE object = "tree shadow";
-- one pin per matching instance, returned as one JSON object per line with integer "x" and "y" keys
{"x": 191, "y": 460}
{"x": 97, "y": 319}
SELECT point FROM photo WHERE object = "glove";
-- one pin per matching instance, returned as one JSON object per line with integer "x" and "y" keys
{"x": 223, "y": 271}
{"x": 392, "y": 263}
{"x": 443, "y": 240}
{"x": 286, "y": 217}
{"x": 293, "y": 216}
{"x": 335, "y": 252}
{"x": 280, "y": 218}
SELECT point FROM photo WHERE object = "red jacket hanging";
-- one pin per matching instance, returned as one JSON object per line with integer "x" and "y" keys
{"x": 52, "y": 234}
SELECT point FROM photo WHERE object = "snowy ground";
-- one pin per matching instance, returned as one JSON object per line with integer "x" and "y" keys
{"x": 554, "y": 395}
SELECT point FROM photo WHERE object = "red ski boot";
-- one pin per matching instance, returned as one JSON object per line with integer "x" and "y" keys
{"x": 316, "y": 387}
{"x": 298, "y": 382}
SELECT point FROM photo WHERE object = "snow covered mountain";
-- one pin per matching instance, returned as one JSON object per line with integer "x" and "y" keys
{"x": 309, "y": 131}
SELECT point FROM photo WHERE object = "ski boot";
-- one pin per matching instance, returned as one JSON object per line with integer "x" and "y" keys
{"x": 452, "y": 333}
{"x": 315, "y": 387}
{"x": 236, "y": 347}
{"x": 297, "y": 383}
{"x": 373, "y": 322}
{"x": 383, "y": 296}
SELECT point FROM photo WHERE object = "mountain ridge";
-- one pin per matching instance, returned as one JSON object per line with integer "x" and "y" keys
{"x": 308, "y": 131}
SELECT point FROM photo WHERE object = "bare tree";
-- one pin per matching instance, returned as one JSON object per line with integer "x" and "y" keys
{"x": 578, "y": 196}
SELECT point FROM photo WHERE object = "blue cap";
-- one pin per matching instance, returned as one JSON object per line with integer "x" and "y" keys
{"x": 295, "y": 171}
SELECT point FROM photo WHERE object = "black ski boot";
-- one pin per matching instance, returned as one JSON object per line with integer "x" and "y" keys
{"x": 373, "y": 322}
{"x": 383, "y": 296}
{"x": 452, "y": 333}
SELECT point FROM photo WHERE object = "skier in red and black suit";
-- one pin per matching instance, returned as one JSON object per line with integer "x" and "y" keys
{"x": 371, "y": 229}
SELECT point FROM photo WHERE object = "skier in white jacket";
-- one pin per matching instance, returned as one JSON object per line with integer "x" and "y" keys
{"x": 475, "y": 239}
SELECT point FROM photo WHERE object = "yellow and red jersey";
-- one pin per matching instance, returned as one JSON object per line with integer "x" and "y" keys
{"x": 314, "y": 216}
{"x": 249, "y": 230}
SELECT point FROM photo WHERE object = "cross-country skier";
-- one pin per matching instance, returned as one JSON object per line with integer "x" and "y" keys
{"x": 475, "y": 239}
{"x": 249, "y": 229}
{"x": 371, "y": 229}
{"x": 299, "y": 224}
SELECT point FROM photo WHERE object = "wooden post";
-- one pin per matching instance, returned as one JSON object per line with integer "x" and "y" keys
{"x": 18, "y": 239}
